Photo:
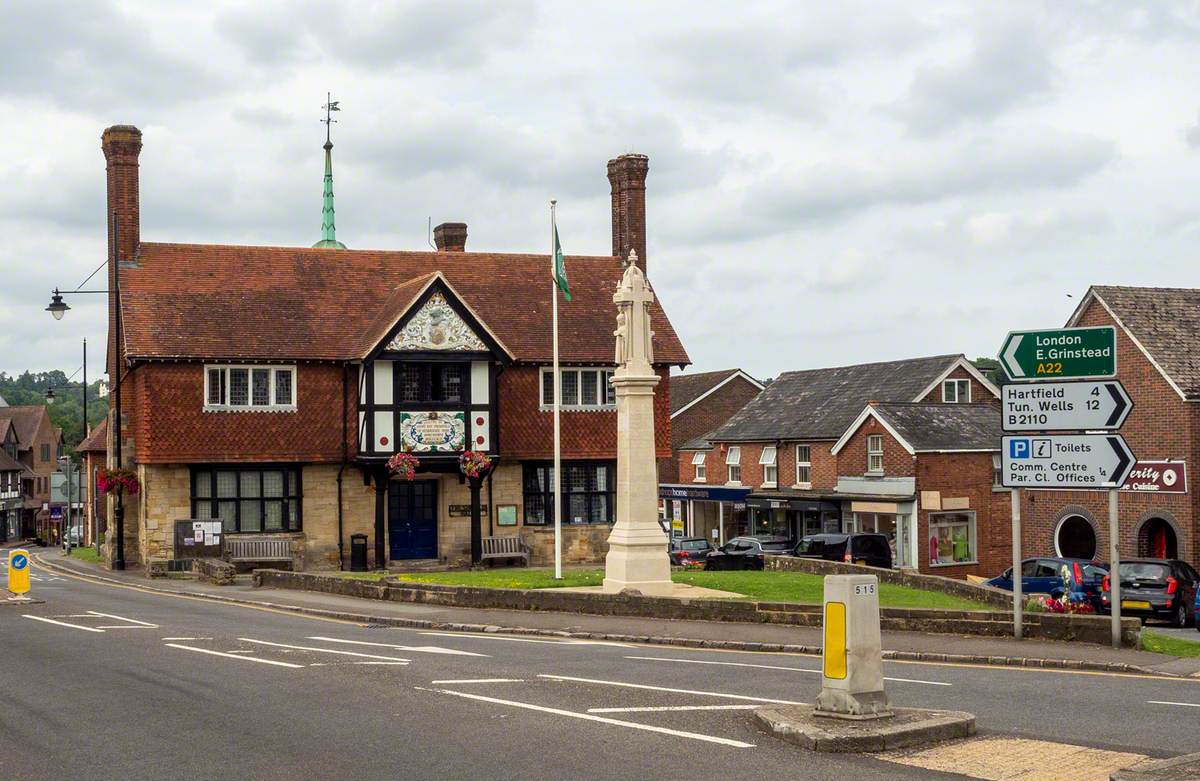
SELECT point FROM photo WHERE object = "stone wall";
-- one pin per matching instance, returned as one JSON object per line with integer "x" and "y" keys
{"x": 958, "y": 588}
{"x": 165, "y": 497}
{"x": 1040, "y": 626}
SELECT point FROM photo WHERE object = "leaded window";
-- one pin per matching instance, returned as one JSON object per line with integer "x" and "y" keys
{"x": 248, "y": 499}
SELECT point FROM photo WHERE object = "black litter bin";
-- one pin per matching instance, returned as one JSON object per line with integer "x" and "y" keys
{"x": 358, "y": 553}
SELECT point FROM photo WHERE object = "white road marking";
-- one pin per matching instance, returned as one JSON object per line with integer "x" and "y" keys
{"x": 601, "y": 719}
{"x": 1168, "y": 702}
{"x": 665, "y": 708}
{"x": 123, "y": 618}
{"x": 324, "y": 650}
{"x": 425, "y": 649}
{"x": 126, "y": 626}
{"x": 771, "y": 667}
{"x": 234, "y": 656}
{"x": 187, "y": 638}
{"x": 674, "y": 691}
{"x": 382, "y": 664}
{"x": 564, "y": 641}
{"x": 63, "y": 623}
{"x": 484, "y": 680}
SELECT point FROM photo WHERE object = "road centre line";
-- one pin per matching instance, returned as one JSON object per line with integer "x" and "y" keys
{"x": 187, "y": 638}
{"x": 324, "y": 650}
{"x": 599, "y": 719}
{"x": 125, "y": 626}
{"x": 234, "y": 656}
{"x": 482, "y": 680}
{"x": 564, "y": 641}
{"x": 123, "y": 618}
{"x": 672, "y": 708}
{"x": 428, "y": 649}
{"x": 771, "y": 667}
{"x": 63, "y": 623}
{"x": 673, "y": 691}
{"x": 1168, "y": 702}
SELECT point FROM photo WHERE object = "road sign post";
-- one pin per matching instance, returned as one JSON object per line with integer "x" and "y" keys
{"x": 18, "y": 571}
{"x": 1066, "y": 461}
{"x": 1090, "y": 405}
{"x": 1061, "y": 353}
{"x": 1114, "y": 566}
{"x": 1018, "y": 584}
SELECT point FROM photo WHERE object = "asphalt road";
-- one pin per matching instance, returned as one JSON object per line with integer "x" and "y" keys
{"x": 106, "y": 682}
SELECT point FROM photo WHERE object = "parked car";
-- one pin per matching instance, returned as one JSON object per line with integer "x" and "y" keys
{"x": 747, "y": 552}
{"x": 1057, "y": 576}
{"x": 870, "y": 549}
{"x": 1155, "y": 588}
{"x": 1196, "y": 612}
{"x": 688, "y": 550}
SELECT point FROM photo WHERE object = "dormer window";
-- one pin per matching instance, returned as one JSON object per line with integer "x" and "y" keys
{"x": 238, "y": 388}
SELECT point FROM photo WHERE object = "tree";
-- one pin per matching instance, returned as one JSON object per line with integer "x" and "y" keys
{"x": 990, "y": 368}
{"x": 67, "y": 410}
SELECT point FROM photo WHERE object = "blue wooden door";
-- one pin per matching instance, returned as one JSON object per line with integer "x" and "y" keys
{"x": 412, "y": 519}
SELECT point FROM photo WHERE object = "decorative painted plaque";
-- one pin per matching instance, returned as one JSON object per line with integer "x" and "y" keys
{"x": 436, "y": 326}
{"x": 432, "y": 432}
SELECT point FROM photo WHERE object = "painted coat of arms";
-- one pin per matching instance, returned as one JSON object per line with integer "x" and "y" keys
{"x": 436, "y": 326}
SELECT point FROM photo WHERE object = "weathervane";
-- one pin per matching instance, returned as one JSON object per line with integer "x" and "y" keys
{"x": 330, "y": 107}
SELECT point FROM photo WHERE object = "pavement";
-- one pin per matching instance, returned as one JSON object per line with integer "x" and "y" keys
{"x": 907, "y": 646}
{"x": 113, "y": 680}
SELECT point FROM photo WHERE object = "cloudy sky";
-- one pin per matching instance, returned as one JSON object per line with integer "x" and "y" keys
{"x": 829, "y": 183}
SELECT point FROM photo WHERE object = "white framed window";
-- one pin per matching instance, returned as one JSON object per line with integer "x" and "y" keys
{"x": 701, "y": 468}
{"x": 233, "y": 388}
{"x": 997, "y": 471}
{"x": 804, "y": 466}
{"x": 582, "y": 389}
{"x": 952, "y": 538}
{"x": 733, "y": 460}
{"x": 770, "y": 469}
{"x": 956, "y": 391}
{"x": 875, "y": 454}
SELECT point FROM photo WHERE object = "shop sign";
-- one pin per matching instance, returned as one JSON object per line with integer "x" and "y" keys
{"x": 464, "y": 510}
{"x": 1158, "y": 477}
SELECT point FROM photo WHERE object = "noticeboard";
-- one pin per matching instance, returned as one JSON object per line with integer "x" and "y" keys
{"x": 198, "y": 539}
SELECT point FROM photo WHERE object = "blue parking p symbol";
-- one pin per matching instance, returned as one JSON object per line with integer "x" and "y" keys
{"x": 1018, "y": 448}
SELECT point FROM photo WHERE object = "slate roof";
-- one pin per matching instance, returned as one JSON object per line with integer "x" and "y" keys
{"x": 944, "y": 426}
{"x": 25, "y": 419}
{"x": 686, "y": 388}
{"x": 697, "y": 443}
{"x": 1166, "y": 321}
{"x": 821, "y": 403}
{"x": 10, "y": 464}
{"x": 97, "y": 441}
{"x": 289, "y": 303}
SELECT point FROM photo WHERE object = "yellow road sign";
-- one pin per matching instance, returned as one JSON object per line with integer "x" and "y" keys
{"x": 18, "y": 571}
{"x": 835, "y": 640}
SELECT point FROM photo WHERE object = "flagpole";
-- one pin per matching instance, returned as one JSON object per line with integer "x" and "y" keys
{"x": 557, "y": 397}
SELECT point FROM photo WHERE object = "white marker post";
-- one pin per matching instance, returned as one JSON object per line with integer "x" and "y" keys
{"x": 852, "y": 656}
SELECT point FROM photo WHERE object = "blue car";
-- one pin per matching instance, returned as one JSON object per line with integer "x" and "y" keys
{"x": 1055, "y": 577}
{"x": 1196, "y": 612}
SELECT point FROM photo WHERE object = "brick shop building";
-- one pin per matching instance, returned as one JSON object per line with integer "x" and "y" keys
{"x": 904, "y": 448}
{"x": 28, "y": 437}
{"x": 266, "y": 387}
{"x": 1158, "y": 361}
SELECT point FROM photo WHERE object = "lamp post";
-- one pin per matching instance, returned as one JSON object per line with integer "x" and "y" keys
{"x": 58, "y": 308}
{"x": 50, "y": 399}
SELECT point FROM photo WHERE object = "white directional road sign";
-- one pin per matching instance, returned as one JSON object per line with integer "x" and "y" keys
{"x": 1100, "y": 405}
{"x": 1066, "y": 461}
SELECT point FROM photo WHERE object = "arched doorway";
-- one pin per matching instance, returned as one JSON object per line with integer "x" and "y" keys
{"x": 1156, "y": 540}
{"x": 1075, "y": 538}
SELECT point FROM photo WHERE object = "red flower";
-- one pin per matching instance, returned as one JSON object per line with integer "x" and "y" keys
{"x": 403, "y": 465}
{"x": 474, "y": 464}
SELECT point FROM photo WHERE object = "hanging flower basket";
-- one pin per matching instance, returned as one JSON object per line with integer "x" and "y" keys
{"x": 474, "y": 464}
{"x": 117, "y": 481}
{"x": 403, "y": 465}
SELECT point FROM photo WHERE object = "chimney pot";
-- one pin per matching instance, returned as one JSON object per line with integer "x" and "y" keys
{"x": 451, "y": 237}
{"x": 627, "y": 176}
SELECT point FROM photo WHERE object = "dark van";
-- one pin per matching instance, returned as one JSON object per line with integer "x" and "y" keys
{"x": 870, "y": 549}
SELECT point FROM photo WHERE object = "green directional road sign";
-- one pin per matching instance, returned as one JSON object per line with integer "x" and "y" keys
{"x": 1062, "y": 353}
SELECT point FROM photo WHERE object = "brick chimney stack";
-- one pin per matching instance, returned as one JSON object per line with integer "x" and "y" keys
{"x": 627, "y": 175}
{"x": 451, "y": 237}
{"x": 122, "y": 144}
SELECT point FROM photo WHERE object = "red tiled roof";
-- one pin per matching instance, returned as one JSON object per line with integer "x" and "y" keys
{"x": 25, "y": 419}
{"x": 97, "y": 441}
{"x": 283, "y": 303}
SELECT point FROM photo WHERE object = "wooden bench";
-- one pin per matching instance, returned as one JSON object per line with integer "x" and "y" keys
{"x": 504, "y": 548}
{"x": 258, "y": 549}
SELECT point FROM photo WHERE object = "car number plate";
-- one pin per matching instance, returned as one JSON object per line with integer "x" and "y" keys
{"x": 1135, "y": 604}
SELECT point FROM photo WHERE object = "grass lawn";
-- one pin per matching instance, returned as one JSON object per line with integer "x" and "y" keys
{"x": 86, "y": 554}
{"x": 1171, "y": 646}
{"x": 766, "y": 586}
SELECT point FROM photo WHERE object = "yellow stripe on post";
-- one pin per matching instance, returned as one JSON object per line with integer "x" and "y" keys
{"x": 834, "y": 652}
{"x": 18, "y": 571}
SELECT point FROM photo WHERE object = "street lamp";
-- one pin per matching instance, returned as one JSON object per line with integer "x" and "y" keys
{"x": 50, "y": 399}
{"x": 58, "y": 308}
{"x": 50, "y": 395}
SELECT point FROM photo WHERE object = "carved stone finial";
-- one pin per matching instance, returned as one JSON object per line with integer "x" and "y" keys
{"x": 631, "y": 260}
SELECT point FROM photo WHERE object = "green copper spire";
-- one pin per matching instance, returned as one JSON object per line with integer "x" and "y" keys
{"x": 328, "y": 231}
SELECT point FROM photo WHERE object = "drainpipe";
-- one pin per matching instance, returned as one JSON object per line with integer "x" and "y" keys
{"x": 491, "y": 507}
{"x": 342, "y": 468}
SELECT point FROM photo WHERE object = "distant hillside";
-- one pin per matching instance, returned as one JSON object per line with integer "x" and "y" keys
{"x": 66, "y": 411}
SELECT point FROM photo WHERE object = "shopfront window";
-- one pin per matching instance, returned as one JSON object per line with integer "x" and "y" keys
{"x": 952, "y": 538}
